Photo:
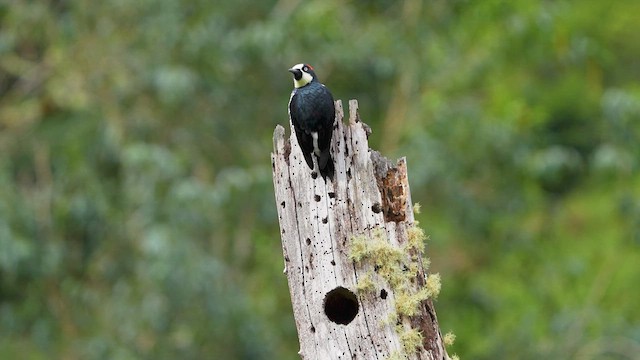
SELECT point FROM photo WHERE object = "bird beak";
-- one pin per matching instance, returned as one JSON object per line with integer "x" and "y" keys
{"x": 297, "y": 73}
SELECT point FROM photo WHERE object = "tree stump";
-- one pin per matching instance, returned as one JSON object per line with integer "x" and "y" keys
{"x": 353, "y": 252}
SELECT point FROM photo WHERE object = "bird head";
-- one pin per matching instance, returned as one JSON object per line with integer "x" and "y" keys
{"x": 302, "y": 75}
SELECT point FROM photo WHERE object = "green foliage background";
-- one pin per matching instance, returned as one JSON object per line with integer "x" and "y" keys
{"x": 137, "y": 218}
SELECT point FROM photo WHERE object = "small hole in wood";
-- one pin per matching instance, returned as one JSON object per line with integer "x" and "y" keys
{"x": 376, "y": 208}
{"x": 341, "y": 305}
{"x": 383, "y": 294}
{"x": 308, "y": 241}
{"x": 316, "y": 197}
{"x": 325, "y": 220}
{"x": 313, "y": 329}
{"x": 282, "y": 204}
{"x": 314, "y": 175}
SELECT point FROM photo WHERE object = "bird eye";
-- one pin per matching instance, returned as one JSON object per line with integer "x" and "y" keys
{"x": 305, "y": 68}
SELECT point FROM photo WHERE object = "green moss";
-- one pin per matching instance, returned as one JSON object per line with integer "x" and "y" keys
{"x": 416, "y": 238}
{"x": 392, "y": 273}
{"x": 426, "y": 263}
{"x": 397, "y": 355}
{"x": 416, "y": 208}
{"x": 433, "y": 285}
{"x": 410, "y": 338}
{"x": 408, "y": 303}
{"x": 449, "y": 338}
{"x": 398, "y": 267}
{"x": 365, "y": 284}
{"x": 392, "y": 318}
{"x": 358, "y": 248}
{"x": 376, "y": 248}
{"x": 384, "y": 253}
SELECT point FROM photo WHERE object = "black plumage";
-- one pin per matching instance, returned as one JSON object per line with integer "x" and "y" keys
{"x": 312, "y": 112}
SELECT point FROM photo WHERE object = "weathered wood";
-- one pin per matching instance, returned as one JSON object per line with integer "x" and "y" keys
{"x": 329, "y": 231}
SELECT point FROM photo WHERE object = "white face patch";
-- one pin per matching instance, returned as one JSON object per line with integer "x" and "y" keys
{"x": 304, "y": 80}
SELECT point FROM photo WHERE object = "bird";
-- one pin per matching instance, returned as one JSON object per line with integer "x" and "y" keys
{"x": 312, "y": 112}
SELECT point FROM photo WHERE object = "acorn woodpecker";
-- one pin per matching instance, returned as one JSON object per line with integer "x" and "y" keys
{"x": 312, "y": 114}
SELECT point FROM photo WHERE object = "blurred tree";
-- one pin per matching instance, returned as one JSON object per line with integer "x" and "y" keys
{"x": 136, "y": 209}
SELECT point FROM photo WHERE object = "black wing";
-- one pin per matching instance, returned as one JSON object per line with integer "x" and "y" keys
{"x": 326, "y": 118}
{"x": 304, "y": 139}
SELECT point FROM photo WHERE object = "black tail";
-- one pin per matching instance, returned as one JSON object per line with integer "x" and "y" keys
{"x": 327, "y": 169}
{"x": 309, "y": 159}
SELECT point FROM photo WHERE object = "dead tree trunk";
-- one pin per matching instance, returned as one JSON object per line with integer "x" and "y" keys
{"x": 353, "y": 252}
